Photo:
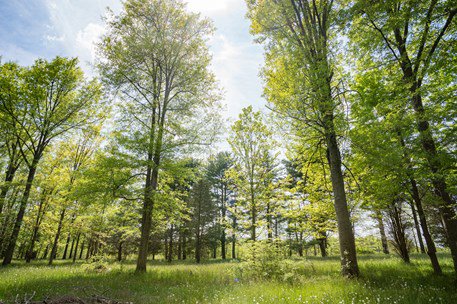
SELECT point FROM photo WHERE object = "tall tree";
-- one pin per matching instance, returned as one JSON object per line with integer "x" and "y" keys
{"x": 252, "y": 145}
{"x": 302, "y": 86}
{"x": 155, "y": 56}
{"x": 413, "y": 34}
{"x": 56, "y": 98}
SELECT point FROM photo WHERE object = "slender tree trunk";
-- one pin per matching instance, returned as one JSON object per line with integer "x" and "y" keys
{"x": 56, "y": 239}
{"x": 269, "y": 223}
{"x": 431, "y": 249}
{"x": 418, "y": 230}
{"x": 82, "y": 250}
{"x": 170, "y": 247}
{"x": 398, "y": 231}
{"x": 253, "y": 217}
{"x": 198, "y": 246}
{"x": 75, "y": 253}
{"x": 184, "y": 247}
{"x": 20, "y": 216}
{"x": 67, "y": 243}
{"x": 29, "y": 254}
{"x": 223, "y": 234}
{"x": 382, "y": 231}
{"x": 179, "y": 244}
{"x": 45, "y": 253}
{"x": 119, "y": 251}
{"x": 71, "y": 248}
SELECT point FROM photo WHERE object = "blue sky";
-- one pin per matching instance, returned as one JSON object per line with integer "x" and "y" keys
{"x": 30, "y": 29}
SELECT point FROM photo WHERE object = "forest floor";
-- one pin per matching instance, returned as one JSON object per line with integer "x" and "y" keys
{"x": 384, "y": 279}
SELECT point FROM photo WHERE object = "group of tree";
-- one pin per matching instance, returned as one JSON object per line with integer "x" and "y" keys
{"x": 362, "y": 100}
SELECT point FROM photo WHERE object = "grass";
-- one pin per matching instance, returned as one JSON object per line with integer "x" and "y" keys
{"x": 385, "y": 279}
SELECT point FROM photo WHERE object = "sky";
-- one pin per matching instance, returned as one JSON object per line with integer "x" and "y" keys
{"x": 31, "y": 29}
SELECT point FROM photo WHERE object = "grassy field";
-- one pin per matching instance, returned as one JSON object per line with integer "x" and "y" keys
{"x": 385, "y": 279}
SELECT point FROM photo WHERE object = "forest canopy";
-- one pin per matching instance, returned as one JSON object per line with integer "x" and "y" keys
{"x": 137, "y": 163}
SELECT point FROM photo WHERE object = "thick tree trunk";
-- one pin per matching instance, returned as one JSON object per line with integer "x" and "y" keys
{"x": 323, "y": 245}
{"x": 56, "y": 239}
{"x": 382, "y": 232}
{"x": 348, "y": 253}
{"x": 20, "y": 216}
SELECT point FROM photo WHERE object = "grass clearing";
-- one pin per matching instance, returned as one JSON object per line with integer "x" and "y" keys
{"x": 385, "y": 279}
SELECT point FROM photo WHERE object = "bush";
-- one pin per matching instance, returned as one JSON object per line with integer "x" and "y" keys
{"x": 264, "y": 260}
{"x": 97, "y": 263}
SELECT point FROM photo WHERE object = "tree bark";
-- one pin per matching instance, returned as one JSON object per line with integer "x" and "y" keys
{"x": 382, "y": 232}
{"x": 418, "y": 230}
{"x": 20, "y": 216}
{"x": 75, "y": 253}
{"x": 349, "y": 266}
{"x": 56, "y": 239}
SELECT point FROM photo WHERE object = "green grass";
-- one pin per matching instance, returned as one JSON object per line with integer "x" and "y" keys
{"x": 384, "y": 280}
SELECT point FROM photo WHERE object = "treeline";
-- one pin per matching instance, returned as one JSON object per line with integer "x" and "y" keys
{"x": 361, "y": 131}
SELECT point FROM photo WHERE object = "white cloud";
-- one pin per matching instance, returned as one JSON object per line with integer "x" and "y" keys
{"x": 212, "y": 6}
{"x": 86, "y": 38}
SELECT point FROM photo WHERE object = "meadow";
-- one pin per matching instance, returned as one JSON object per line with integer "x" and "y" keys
{"x": 384, "y": 279}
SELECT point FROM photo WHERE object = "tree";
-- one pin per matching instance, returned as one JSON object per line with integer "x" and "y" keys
{"x": 413, "y": 35}
{"x": 216, "y": 171}
{"x": 55, "y": 98}
{"x": 252, "y": 145}
{"x": 155, "y": 57}
{"x": 301, "y": 85}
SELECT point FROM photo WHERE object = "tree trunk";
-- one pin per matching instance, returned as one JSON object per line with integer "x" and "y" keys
{"x": 349, "y": 266}
{"x": 29, "y": 254}
{"x": 398, "y": 232}
{"x": 56, "y": 239}
{"x": 382, "y": 231}
{"x": 223, "y": 234}
{"x": 184, "y": 247}
{"x": 179, "y": 244}
{"x": 71, "y": 248}
{"x": 418, "y": 230}
{"x": 323, "y": 245}
{"x": 75, "y": 253}
{"x": 20, "y": 216}
{"x": 170, "y": 246}
{"x": 82, "y": 250}
{"x": 67, "y": 243}
{"x": 436, "y": 166}
{"x": 119, "y": 251}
